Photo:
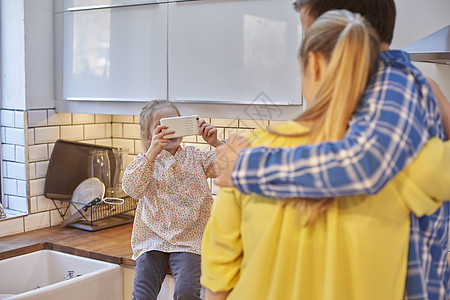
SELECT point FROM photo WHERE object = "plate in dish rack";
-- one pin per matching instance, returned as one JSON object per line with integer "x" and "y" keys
{"x": 85, "y": 192}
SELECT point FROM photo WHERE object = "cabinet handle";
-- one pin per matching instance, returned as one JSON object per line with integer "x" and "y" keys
{"x": 105, "y": 6}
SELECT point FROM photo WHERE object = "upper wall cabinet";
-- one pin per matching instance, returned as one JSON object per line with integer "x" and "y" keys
{"x": 232, "y": 51}
{"x": 197, "y": 51}
{"x": 115, "y": 51}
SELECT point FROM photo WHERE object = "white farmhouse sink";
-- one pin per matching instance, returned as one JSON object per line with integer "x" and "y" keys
{"x": 45, "y": 275}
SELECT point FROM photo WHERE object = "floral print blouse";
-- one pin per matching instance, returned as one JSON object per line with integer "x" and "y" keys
{"x": 174, "y": 200}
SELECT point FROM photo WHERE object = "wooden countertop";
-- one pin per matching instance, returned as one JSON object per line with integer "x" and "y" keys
{"x": 110, "y": 244}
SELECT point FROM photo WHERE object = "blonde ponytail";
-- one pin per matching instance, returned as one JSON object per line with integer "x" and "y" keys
{"x": 351, "y": 47}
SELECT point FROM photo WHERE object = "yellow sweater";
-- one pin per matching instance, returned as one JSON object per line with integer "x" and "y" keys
{"x": 358, "y": 249}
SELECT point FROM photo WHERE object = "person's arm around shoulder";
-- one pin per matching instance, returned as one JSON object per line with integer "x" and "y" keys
{"x": 369, "y": 155}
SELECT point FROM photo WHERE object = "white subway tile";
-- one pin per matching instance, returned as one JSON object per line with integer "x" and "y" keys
{"x": 130, "y": 158}
{"x": 94, "y": 131}
{"x": 18, "y": 203}
{"x": 50, "y": 148}
{"x": 225, "y": 122}
{"x": 117, "y": 131}
{"x": 122, "y": 143}
{"x": 200, "y": 140}
{"x": 41, "y": 169}
{"x": 55, "y": 217}
{"x": 137, "y": 147}
{"x": 9, "y": 152}
{"x": 7, "y": 118}
{"x": 44, "y": 204}
{"x": 3, "y": 134}
{"x": 20, "y": 154}
{"x": 215, "y": 188}
{"x": 207, "y": 119}
{"x": 15, "y": 136}
{"x": 32, "y": 170}
{"x": 131, "y": 131}
{"x": 202, "y": 147}
{"x": 122, "y": 119}
{"x": 253, "y": 123}
{"x": 191, "y": 138}
{"x": 103, "y": 118}
{"x": 37, "y": 187}
{"x": 209, "y": 180}
{"x": 36, "y": 221}
{"x": 276, "y": 123}
{"x": 15, "y": 213}
{"x": 73, "y": 133}
{"x": 108, "y": 130}
{"x": 31, "y": 136}
{"x": 46, "y": 134}
{"x": 10, "y": 186}
{"x": 22, "y": 188}
{"x": 61, "y": 204}
{"x": 33, "y": 205}
{"x": 5, "y": 200}
{"x": 221, "y": 133}
{"x": 232, "y": 131}
{"x": 90, "y": 142}
{"x": 38, "y": 152}
{"x": 16, "y": 170}
{"x": 83, "y": 118}
{"x": 59, "y": 118}
{"x": 104, "y": 142}
{"x": 19, "y": 119}
{"x": 37, "y": 118}
{"x": 11, "y": 226}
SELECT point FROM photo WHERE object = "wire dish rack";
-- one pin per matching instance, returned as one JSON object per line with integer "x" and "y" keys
{"x": 100, "y": 216}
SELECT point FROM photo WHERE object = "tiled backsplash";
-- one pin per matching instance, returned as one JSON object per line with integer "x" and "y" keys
{"x": 28, "y": 139}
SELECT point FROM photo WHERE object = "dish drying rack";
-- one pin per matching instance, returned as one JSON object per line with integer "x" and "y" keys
{"x": 61, "y": 183}
{"x": 100, "y": 216}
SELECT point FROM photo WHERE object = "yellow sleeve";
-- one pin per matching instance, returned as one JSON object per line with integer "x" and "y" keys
{"x": 428, "y": 178}
{"x": 222, "y": 245}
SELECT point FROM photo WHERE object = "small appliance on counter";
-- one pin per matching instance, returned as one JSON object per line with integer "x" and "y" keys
{"x": 71, "y": 165}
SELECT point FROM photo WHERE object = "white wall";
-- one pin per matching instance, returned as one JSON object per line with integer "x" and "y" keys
{"x": 417, "y": 19}
{"x": 39, "y": 54}
{"x": 27, "y": 54}
{"x": 13, "y": 54}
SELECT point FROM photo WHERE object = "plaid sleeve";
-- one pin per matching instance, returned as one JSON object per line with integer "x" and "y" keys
{"x": 389, "y": 128}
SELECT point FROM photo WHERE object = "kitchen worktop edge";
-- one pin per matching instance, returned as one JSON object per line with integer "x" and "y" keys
{"x": 110, "y": 245}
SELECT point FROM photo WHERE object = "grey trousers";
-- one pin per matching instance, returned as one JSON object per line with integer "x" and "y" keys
{"x": 151, "y": 269}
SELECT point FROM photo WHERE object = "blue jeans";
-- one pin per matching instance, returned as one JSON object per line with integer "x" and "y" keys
{"x": 151, "y": 268}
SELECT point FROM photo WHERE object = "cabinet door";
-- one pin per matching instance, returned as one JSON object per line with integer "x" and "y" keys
{"x": 115, "y": 53}
{"x": 236, "y": 51}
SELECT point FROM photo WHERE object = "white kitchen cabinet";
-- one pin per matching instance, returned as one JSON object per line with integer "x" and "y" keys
{"x": 114, "y": 54}
{"x": 234, "y": 51}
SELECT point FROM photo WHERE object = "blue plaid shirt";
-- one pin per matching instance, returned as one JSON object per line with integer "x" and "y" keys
{"x": 395, "y": 118}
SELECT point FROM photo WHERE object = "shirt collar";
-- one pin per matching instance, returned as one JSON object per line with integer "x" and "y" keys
{"x": 395, "y": 55}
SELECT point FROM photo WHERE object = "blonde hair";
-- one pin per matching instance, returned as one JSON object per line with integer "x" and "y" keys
{"x": 351, "y": 47}
{"x": 146, "y": 117}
